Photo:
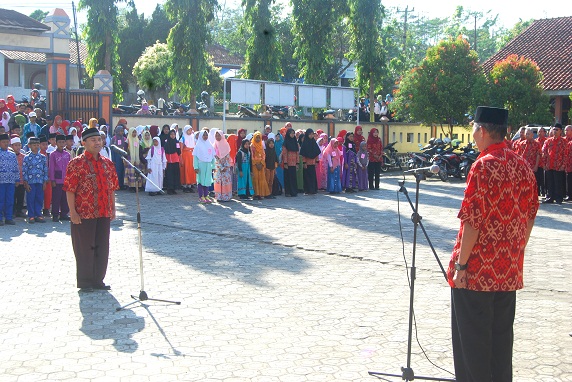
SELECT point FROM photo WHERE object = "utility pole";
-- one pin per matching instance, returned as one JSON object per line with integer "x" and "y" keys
{"x": 79, "y": 84}
{"x": 475, "y": 45}
{"x": 405, "y": 12}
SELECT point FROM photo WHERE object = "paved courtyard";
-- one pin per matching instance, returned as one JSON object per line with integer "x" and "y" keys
{"x": 312, "y": 288}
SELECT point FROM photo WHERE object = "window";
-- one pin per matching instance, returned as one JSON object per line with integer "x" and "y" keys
{"x": 418, "y": 137}
{"x": 394, "y": 137}
{"x": 400, "y": 137}
{"x": 425, "y": 141}
{"x": 409, "y": 137}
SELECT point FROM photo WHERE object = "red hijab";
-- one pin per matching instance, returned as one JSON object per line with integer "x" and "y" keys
{"x": 239, "y": 139}
{"x": 358, "y": 138}
{"x": 4, "y": 108}
{"x": 374, "y": 145}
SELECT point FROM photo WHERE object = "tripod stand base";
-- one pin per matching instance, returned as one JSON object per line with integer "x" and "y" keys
{"x": 408, "y": 375}
{"x": 143, "y": 297}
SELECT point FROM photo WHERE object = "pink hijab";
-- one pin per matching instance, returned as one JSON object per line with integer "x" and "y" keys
{"x": 334, "y": 152}
{"x": 222, "y": 147}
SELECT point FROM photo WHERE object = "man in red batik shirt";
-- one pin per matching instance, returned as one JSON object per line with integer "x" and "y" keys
{"x": 540, "y": 173}
{"x": 553, "y": 158}
{"x": 89, "y": 184}
{"x": 529, "y": 149}
{"x": 486, "y": 267}
{"x": 568, "y": 160}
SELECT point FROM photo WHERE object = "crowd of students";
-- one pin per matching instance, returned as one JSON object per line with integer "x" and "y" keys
{"x": 34, "y": 154}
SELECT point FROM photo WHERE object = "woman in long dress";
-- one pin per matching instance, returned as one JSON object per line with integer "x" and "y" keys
{"x": 223, "y": 167}
{"x": 203, "y": 162}
{"x": 349, "y": 180}
{"x": 323, "y": 165}
{"x": 309, "y": 151}
{"x": 243, "y": 165}
{"x": 290, "y": 162}
{"x": 135, "y": 156}
{"x": 172, "y": 153}
{"x": 333, "y": 156}
{"x": 258, "y": 166}
{"x": 188, "y": 175}
{"x": 156, "y": 165}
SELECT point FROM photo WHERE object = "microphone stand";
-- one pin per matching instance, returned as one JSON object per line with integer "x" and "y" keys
{"x": 407, "y": 373}
{"x": 142, "y": 294}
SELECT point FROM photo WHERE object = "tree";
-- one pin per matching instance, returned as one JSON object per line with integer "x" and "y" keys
{"x": 158, "y": 26}
{"x": 262, "y": 48}
{"x": 152, "y": 68}
{"x": 101, "y": 35}
{"x": 39, "y": 15}
{"x": 227, "y": 30}
{"x": 507, "y": 36}
{"x": 366, "y": 49}
{"x": 442, "y": 89}
{"x": 187, "y": 40}
{"x": 515, "y": 85}
{"x": 314, "y": 23}
{"x": 131, "y": 27}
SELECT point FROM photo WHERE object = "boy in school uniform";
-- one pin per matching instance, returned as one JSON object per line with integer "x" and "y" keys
{"x": 48, "y": 190}
{"x": 20, "y": 191}
{"x": 9, "y": 175}
{"x": 59, "y": 160}
{"x": 35, "y": 173}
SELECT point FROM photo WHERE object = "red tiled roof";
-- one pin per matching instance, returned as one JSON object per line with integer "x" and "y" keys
{"x": 548, "y": 42}
{"x": 41, "y": 57}
{"x": 222, "y": 57}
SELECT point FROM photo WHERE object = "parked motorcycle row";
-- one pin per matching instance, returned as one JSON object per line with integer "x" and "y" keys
{"x": 452, "y": 160}
{"x": 168, "y": 107}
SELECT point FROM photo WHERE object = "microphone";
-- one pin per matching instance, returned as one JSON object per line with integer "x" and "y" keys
{"x": 119, "y": 151}
{"x": 433, "y": 168}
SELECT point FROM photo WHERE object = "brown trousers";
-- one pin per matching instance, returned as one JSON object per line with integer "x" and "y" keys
{"x": 269, "y": 178}
{"x": 90, "y": 241}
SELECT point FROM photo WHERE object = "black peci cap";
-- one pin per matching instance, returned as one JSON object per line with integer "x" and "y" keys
{"x": 494, "y": 115}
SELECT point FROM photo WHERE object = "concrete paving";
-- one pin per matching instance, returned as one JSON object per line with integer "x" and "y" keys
{"x": 312, "y": 288}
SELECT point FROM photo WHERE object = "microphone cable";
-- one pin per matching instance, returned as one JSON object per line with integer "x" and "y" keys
{"x": 409, "y": 283}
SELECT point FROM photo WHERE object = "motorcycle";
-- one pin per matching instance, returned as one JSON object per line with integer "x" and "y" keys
{"x": 449, "y": 164}
{"x": 468, "y": 157}
{"x": 278, "y": 112}
{"x": 423, "y": 159}
{"x": 390, "y": 158}
{"x": 247, "y": 112}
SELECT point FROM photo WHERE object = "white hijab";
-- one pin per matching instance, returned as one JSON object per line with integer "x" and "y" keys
{"x": 189, "y": 140}
{"x": 204, "y": 150}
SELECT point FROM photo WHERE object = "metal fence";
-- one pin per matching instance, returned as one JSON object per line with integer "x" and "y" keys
{"x": 74, "y": 104}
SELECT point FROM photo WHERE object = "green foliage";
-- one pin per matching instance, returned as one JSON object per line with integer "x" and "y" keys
{"x": 442, "y": 89}
{"x": 314, "y": 25}
{"x": 515, "y": 85}
{"x": 366, "y": 48}
{"x": 101, "y": 36}
{"x": 262, "y": 48}
{"x": 131, "y": 27}
{"x": 214, "y": 81}
{"x": 39, "y": 15}
{"x": 289, "y": 64}
{"x": 507, "y": 36}
{"x": 187, "y": 40}
{"x": 228, "y": 30}
{"x": 158, "y": 26}
{"x": 151, "y": 69}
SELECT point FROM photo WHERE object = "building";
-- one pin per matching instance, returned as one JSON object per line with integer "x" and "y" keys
{"x": 548, "y": 42}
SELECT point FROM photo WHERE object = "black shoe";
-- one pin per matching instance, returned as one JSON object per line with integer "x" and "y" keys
{"x": 46, "y": 212}
{"x": 86, "y": 290}
{"x": 10, "y": 222}
{"x": 102, "y": 287}
{"x": 65, "y": 218}
{"x": 548, "y": 201}
{"x": 55, "y": 219}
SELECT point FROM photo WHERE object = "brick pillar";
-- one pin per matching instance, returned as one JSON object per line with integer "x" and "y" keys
{"x": 558, "y": 109}
{"x": 58, "y": 60}
{"x": 103, "y": 83}
{"x": 331, "y": 129}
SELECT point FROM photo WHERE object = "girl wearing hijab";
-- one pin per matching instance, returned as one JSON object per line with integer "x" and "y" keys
{"x": 243, "y": 165}
{"x": 290, "y": 162}
{"x": 300, "y": 168}
{"x": 358, "y": 136}
{"x": 310, "y": 152}
{"x": 76, "y": 140}
{"x": 375, "y": 155}
{"x": 241, "y": 136}
{"x": 119, "y": 141}
{"x": 349, "y": 179}
{"x": 165, "y": 131}
{"x": 271, "y": 163}
{"x": 188, "y": 175}
{"x": 5, "y": 120}
{"x": 203, "y": 162}
{"x": 172, "y": 171}
{"x": 3, "y": 107}
{"x": 156, "y": 165}
{"x": 362, "y": 162}
{"x": 232, "y": 140}
{"x": 223, "y": 167}
{"x": 135, "y": 156}
{"x": 11, "y": 104}
{"x": 278, "y": 143}
{"x": 258, "y": 166}
{"x": 57, "y": 128}
{"x": 322, "y": 173}
{"x": 333, "y": 155}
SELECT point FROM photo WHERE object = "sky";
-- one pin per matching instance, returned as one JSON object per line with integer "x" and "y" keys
{"x": 509, "y": 11}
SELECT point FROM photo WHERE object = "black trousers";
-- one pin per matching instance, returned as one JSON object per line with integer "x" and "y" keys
{"x": 310, "y": 180}
{"x": 373, "y": 171}
{"x": 290, "y": 182}
{"x": 569, "y": 185}
{"x": 554, "y": 184}
{"x": 482, "y": 333}
{"x": 540, "y": 181}
{"x": 19, "y": 194}
{"x": 90, "y": 241}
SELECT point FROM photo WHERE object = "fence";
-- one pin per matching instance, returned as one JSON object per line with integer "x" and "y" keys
{"x": 74, "y": 104}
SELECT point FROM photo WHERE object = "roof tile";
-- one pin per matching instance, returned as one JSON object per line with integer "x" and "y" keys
{"x": 549, "y": 43}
